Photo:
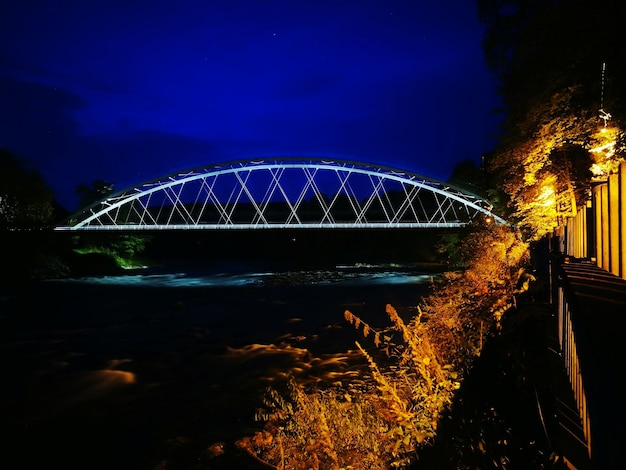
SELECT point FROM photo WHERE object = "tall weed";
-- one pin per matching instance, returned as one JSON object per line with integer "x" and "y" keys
{"x": 385, "y": 423}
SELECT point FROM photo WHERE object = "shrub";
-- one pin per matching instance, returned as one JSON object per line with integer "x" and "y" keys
{"x": 385, "y": 423}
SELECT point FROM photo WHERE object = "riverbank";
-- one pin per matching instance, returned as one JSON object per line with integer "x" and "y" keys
{"x": 148, "y": 376}
{"x": 41, "y": 254}
{"x": 507, "y": 413}
{"x": 137, "y": 371}
{"x": 44, "y": 254}
{"x": 145, "y": 378}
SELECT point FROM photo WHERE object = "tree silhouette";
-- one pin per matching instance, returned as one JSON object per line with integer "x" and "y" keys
{"x": 557, "y": 63}
{"x": 99, "y": 189}
{"x": 26, "y": 202}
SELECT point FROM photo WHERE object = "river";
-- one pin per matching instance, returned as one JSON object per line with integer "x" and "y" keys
{"x": 164, "y": 368}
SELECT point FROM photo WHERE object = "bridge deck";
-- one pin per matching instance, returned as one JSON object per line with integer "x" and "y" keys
{"x": 598, "y": 307}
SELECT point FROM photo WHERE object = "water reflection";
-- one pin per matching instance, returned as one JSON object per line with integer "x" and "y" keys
{"x": 128, "y": 371}
{"x": 284, "y": 361}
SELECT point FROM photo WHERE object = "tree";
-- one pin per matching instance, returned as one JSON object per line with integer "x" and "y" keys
{"x": 557, "y": 67}
{"x": 390, "y": 415}
{"x": 26, "y": 202}
{"x": 91, "y": 194}
{"x": 467, "y": 174}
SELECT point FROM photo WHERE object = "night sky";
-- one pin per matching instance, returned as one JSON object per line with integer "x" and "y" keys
{"x": 127, "y": 91}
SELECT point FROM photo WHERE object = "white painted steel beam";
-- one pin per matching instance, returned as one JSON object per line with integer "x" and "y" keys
{"x": 291, "y": 193}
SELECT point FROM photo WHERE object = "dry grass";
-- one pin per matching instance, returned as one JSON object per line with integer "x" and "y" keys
{"x": 319, "y": 429}
{"x": 384, "y": 424}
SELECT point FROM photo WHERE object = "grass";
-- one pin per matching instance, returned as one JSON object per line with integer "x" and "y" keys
{"x": 125, "y": 262}
{"x": 412, "y": 383}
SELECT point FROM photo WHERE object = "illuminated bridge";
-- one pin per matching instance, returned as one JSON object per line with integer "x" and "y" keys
{"x": 285, "y": 193}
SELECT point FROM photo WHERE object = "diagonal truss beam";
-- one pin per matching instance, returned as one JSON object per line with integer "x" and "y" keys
{"x": 291, "y": 193}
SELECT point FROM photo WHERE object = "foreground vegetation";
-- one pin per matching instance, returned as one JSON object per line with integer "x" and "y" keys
{"x": 559, "y": 69}
{"x": 416, "y": 366}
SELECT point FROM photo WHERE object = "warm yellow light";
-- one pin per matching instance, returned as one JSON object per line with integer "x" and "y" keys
{"x": 603, "y": 150}
{"x": 546, "y": 197}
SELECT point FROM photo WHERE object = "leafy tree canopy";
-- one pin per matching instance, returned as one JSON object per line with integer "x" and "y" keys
{"x": 91, "y": 194}
{"x": 26, "y": 202}
{"x": 559, "y": 65}
{"x": 467, "y": 174}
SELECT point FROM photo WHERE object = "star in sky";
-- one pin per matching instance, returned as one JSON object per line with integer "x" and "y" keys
{"x": 115, "y": 91}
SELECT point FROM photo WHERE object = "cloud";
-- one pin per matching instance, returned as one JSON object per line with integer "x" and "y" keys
{"x": 35, "y": 116}
{"x": 131, "y": 91}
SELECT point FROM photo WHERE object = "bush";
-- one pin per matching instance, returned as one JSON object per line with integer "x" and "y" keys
{"x": 387, "y": 422}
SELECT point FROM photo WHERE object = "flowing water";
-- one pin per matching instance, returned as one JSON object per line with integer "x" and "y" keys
{"x": 165, "y": 369}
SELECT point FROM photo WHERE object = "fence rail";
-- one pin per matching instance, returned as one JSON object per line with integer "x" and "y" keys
{"x": 590, "y": 298}
{"x": 595, "y": 232}
{"x": 567, "y": 341}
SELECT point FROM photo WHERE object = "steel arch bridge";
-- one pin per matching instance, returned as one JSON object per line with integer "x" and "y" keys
{"x": 285, "y": 193}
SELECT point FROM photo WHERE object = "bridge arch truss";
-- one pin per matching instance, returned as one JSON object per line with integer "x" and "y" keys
{"x": 285, "y": 193}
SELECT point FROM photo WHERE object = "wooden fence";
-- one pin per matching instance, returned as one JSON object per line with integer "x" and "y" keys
{"x": 596, "y": 232}
{"x": 567, "y": 341}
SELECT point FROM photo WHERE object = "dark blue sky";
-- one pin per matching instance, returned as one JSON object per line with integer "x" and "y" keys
{"x": 127, "y": 91}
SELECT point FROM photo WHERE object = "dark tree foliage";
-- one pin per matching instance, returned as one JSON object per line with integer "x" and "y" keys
{"x": 91, "y": 194}
{"x": 466, "y": 174}
{"x": 571, "y": 163}
{"x": 539, "y": 47}
{"x": 559, "y": 65}
{"x": 26, "y": 202}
